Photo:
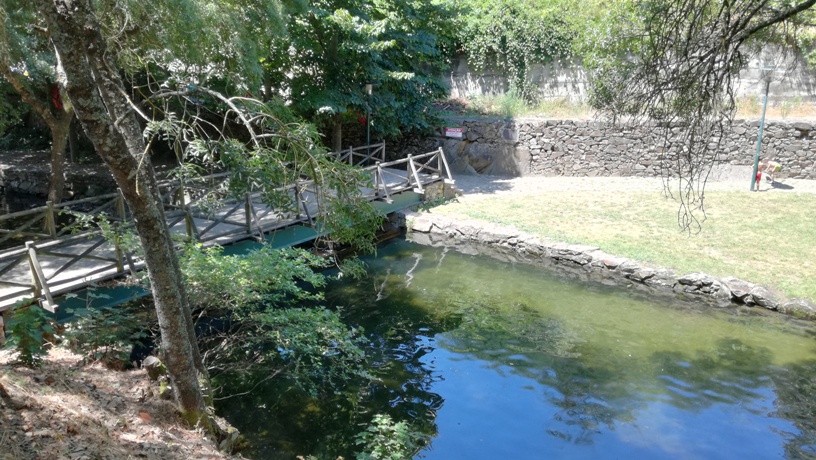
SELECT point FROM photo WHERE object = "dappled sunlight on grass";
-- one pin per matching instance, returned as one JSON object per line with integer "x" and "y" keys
{"x": 767, "y": 238}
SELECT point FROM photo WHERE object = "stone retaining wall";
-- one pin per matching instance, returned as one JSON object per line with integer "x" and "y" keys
{"x": 591, "y": 148}
{"x": 30, "y": 172}
{"x": 589, "y": 263}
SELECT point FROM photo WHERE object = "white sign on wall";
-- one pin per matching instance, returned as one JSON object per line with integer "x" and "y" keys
{"x": 453, "y": 132}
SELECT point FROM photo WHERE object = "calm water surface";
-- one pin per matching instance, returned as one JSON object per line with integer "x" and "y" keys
{"x": 494, "y": 360}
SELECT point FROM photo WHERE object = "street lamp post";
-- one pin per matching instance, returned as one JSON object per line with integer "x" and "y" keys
{"x": 767, "y": 73}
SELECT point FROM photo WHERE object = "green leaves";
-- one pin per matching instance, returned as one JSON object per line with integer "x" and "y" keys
{"x": 385, "y": 439}
{"x": 265, "y": 276}
{"x": 512, "y": 36}
{"x": 338, "y": 46}
{"x": 254, "y": 293}
{"x": 30, "y": 327}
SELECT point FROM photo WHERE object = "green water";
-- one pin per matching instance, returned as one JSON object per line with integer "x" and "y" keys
{"x": 493, "y": 360}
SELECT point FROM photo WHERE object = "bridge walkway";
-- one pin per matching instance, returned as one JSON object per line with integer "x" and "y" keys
{"x": 54, "y": 261}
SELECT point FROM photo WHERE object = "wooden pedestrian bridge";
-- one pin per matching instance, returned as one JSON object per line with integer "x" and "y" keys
{"x": 55, "y": 259}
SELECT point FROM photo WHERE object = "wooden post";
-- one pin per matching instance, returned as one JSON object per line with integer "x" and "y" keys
{"x": 32, "y": 255}
{"x": 121, "y": 213}
{"x": 189, "y": 223}
{"x": 445, "y": 162}
{"x": 120, "y": 265}
{"x": 377, "y": 180}
{"x": 181, "y": 200}
{"x": 248, "y": 213}
{"x": 50, "y": 220}
{"x": 415, "y": 174}
{"x": 381, "y": 179}
{"x": 299, "y": 199}
{"x": 40, "y": 284}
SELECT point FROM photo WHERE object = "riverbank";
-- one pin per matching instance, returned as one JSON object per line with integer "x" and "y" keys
{"x": 67, "y": 409}
{"x": 530, "y": 218}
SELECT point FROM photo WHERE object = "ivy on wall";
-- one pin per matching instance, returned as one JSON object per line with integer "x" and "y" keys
{"x": 513, "y": 35}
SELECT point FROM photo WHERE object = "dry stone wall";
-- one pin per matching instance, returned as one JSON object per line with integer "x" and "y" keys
{"x": 592, "y": 148}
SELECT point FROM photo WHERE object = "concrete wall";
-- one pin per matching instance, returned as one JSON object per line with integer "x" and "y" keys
{"x": 568, "y": 79}
{"x": 590, "y": 148}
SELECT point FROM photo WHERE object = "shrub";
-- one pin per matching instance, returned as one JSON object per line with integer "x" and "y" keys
{"x": 30, "y": 328}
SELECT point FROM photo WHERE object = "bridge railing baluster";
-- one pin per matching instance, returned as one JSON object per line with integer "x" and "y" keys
{"x": 39, "y": 282}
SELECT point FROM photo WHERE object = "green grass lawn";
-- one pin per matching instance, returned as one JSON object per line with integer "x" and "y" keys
{"x": 765, "y": 238}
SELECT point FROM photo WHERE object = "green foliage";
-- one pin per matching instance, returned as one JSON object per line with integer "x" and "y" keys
{"x": 30, "y": 327}
{"x": 312, "y": 346}
{"x": 788, "y": 105}
{"x": 335, "y": 47}
{"x": 513, "y": 36}
{"x": 11, "y": 111}
{"x": 353, "y": 268}
{"x": 26, "y": 54}
{"x": 105, "y": 333}
{"x": 318, "y": 351}
{"x": 385, "y": 439}
{"x": 266, "y": 276}
{"x": 193, "y": 41}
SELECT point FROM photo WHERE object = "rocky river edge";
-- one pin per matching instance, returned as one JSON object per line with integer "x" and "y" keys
{"x": 591, "y": 264}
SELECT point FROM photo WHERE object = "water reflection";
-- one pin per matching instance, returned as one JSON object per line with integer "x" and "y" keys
{"x": 499, "y": 361}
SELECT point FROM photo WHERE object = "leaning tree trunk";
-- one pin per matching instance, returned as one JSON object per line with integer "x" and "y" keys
{"x": 96, "y": 92}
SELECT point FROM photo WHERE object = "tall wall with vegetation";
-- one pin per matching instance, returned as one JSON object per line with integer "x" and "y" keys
{"x": 590, "y": 148}
{"x": 794, "y": 79}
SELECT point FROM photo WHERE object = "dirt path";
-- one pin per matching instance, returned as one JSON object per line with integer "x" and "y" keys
{"x": 733, "y": 179}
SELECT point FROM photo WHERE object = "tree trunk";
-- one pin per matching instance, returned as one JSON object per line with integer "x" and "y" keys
{"x": 60, "y": 129}
{"x": 58, "y": 123}
{"x": 337, "y": 133}
{"x": 73, "y": 142}
{"x": 96, "y": 92}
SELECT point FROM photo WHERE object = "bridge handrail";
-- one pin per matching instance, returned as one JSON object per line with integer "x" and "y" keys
{"x": 411, "y": 172}
{"x": 373, "y": 152}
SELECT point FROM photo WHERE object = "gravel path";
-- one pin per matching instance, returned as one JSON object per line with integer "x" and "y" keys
{"x": 734, "y": 179}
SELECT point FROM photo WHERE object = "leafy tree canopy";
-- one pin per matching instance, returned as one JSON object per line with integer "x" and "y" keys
{"x": 335, "y": 47}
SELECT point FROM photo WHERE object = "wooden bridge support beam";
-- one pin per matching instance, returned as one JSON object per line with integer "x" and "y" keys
{"x": 39, "y": 281}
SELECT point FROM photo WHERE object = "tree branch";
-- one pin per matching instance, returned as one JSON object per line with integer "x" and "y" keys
{"x": 779, "y": 18}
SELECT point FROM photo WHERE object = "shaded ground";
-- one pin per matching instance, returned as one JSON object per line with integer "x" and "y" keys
{"x": 68, "y": 410}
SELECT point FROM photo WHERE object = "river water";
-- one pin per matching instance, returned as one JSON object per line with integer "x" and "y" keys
{"x": 492, "y": 360}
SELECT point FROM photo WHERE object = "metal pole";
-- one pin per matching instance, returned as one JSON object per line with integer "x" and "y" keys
{"x": 759, "y": 138}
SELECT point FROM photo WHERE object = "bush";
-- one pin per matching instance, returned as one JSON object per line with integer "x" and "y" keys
{"x": 106, "y": 334}
{"x": 385, "y": 439}
{"x": 30, "y": 328}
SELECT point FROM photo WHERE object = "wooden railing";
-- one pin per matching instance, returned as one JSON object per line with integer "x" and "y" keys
{"x": 60, "y": 260}
{"x": 362, "y": 156}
